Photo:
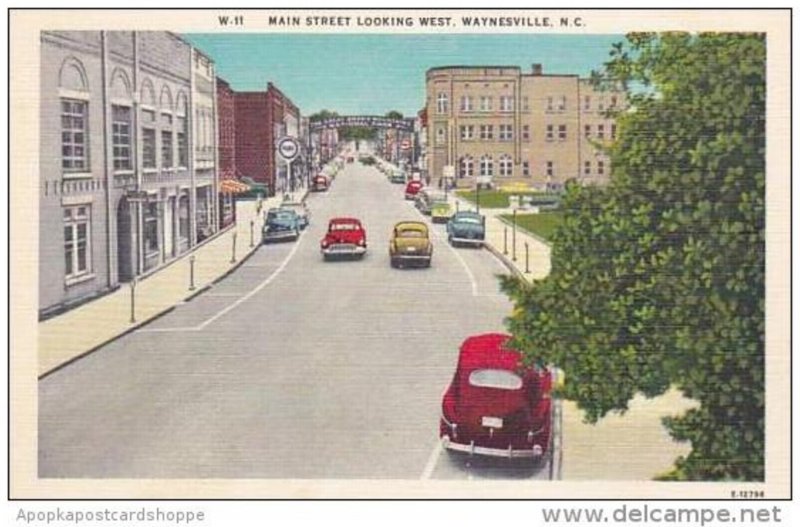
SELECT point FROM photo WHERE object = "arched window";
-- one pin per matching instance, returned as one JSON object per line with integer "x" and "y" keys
{"x": 442, "y": 103}
{"x": 466, "y": 167}
{"x": 506, "y": 166}
{"x": 487, "y": 165}
{"x": 74, "y": 105}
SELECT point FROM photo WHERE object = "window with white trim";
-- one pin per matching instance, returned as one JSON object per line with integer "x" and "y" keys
{"x": 466, "y": 103}
{"x": 562, "y": 103}
{"x": 442, "y": 103}
{"x": 486, "y": 103}
{"x": 601, "y": 168}
{"x": 506, "y": 132}
{"x": 525, "y": 104}
{"x": 183, "y": 142}
{"x": 587, "y": 103}
{"x": 77, "y": 241}
{"x": 487, "y": 132}
{"x": 487, "y": 166}
{"x": 466, "y": 167}
{"x": 506, "y": 166}
{"x": 550, "y": 104}
{"x": 526, "y": 169}
{"x": 440, "y": 135}
{"x": 506, "y": 103}
{"x": 526, "y": 132}
{"x": 601, "y": 131}
{"x": 562, "y": 132}
{"x": 167, "y": 159}
{"x": 149, "y": 147}
{"x": 549, "y": 132}
{"x": 550, "y": 169}
{"x": 467, "y": 132}
{"x": 121, "y": 137}
{"x": 74, "y": 135}
{"x": 587, "y": 168}
{"x": 587, "y": 130}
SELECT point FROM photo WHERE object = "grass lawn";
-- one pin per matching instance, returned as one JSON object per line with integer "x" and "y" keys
{"x": 542, "y": 224}
{"x": 498, "y": 199}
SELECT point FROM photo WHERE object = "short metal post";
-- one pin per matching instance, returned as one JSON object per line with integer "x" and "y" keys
{"x": 505, "y": 239}
{"x": 191, "y": 273}
{"x": 527, "y": 269}
{"x": 514, "y": 235}
{"x": 252, "y": 224}
{"x": 233, "y": 249}
{"x": 456, "y": 205}
{"x": 133, "y": 301}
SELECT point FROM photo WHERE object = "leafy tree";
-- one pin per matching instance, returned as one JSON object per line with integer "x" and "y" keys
{"x": 394, "y": 114}
{"x": 658, "y": 278}
{"x": 321, "y": 115}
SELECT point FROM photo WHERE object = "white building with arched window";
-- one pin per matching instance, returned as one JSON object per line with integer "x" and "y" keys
{"x": 117, "y": 184}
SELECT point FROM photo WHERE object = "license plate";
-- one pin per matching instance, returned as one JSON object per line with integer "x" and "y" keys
{"x": 412, "y": 249}
{"x": 492, "y": 422}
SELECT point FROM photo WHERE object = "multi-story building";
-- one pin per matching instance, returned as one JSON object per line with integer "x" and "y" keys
{"x": 226, "y": 147}
{"x": 117, "y": 182}
{"x": 204, "y": 162}
{"x": 261, "y": 118}
{"x": 500, "y": 123}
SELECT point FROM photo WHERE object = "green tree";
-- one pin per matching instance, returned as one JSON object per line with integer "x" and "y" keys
{"x": 394, "y": 114}
{"x": 658, "y": 278}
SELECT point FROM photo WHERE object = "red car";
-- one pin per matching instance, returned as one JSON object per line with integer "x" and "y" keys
{"x": 345, "y": 237}
{"x": 319, "y": 183}
{"x": 494, "y": 406}
{"x": 412, "y": 188}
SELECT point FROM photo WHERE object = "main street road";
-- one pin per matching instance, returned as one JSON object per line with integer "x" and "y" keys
{"x": 291, "y": 367}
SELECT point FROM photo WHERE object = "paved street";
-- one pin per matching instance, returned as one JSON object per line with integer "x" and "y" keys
{"x": 290, "y": 367}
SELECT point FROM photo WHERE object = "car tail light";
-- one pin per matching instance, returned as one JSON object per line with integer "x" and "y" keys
{"x": 324, "y": 244}
{"x": 362, "y": 242}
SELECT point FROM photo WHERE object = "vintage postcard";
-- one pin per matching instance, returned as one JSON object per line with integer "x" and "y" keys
{"x": 458, "y": 253}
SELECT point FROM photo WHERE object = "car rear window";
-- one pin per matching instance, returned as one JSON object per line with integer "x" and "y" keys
{"x": 411, "y": 233}
{"x": 468, "y": 219}
{"x": 345, "y": 227}
{"x": 500, "y": 379}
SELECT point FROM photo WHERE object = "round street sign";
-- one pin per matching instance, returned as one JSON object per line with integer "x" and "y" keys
{"x": 288, "y": 148}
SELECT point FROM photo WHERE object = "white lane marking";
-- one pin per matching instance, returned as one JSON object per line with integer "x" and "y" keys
{"x": 260, "y": 286}
{"x": 238, "y": 302}
{"x": 432, "y": 460}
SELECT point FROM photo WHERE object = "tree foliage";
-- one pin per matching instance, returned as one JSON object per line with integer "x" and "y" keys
{"x": 658, "y": 278}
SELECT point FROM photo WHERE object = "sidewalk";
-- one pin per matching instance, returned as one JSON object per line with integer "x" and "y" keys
{"x": 79, "y": 331}
{"x": 500, "y": 241}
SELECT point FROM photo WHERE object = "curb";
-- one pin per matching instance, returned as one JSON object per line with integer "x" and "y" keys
{"x": 153, "y": 317}
{"x": 504, "y": 259}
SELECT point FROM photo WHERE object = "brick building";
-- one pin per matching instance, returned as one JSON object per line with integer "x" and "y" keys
{"x": 260, "y": 119}
{"x": 515, "y": 127}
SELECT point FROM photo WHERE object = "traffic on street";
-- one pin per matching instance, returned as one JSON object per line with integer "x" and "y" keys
{"x": 300, "y": 364}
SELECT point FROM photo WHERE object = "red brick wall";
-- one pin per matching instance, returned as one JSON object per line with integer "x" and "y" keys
{"x": 253, "y": 137}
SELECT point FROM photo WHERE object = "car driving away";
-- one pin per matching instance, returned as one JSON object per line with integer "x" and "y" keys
{"x": 346, "y": 237}
{"x": 466, "y": 228}
{"x": 495, "y": 406}
{"x": 410, "y": 244}
{"x": 281, "y": 225}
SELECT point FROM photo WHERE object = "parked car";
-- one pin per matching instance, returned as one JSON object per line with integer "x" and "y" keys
{"x": 397, "y": 176}
{"x": 496, "y": 406}
{"x": 484, "y": 182}
{"x": 425, "y": 199}
{"x": 466, "y": 227}
{"x": 412, "y": 189}
{"x": 256, "y": 189}
{"x": 410, "y": 244}
{"x": 301, "y": 209}
{"x": 345, "y": 237}
{"x": 319, "y": 183}
{"x": 441, "y": 211}
{"x": 280, "y": 224}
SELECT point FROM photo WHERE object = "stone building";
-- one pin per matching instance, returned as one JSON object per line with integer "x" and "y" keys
{"x": 118, "y": 188}
{"x": 510, "y": 127}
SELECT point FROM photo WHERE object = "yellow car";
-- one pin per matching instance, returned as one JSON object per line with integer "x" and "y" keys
{"x": 410, "y": 244}
{"x": 441, "y": 212}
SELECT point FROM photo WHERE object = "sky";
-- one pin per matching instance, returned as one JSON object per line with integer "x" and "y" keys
{"x": 372, "y": 74}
